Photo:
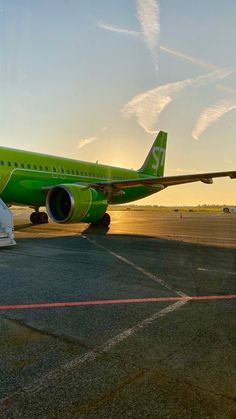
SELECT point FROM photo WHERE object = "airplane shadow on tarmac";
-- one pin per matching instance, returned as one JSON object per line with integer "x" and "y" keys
{"x": 101, "y": 230}
{"x": 169, "y": 253}
{"x": 23, "y": 226}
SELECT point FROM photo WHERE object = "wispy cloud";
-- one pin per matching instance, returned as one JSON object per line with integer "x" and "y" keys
{"x": 117, "y": 29}
{"x": 226, "y": 89}
{"x": 148, "y": 14}
{"x": 187, "y": 57}
{"x": 198, "y": 62}
{"x": 210, "y": 115}
{"x": 147, "y": 107}
{"x": 179, "y": 170}
{"x": 85, "y": 141}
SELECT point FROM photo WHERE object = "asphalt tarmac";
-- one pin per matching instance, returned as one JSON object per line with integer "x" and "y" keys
{"x": 134, "y": 321}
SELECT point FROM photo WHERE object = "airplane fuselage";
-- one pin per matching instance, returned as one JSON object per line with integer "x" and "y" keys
{"x": 25, "y": 176}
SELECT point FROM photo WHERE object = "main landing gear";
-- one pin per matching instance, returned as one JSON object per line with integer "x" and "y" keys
{"x": 105, "y": 221}
{"x": 39, "y": 217}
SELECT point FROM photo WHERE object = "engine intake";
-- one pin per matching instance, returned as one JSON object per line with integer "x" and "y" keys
{"x": 75, "y": 203}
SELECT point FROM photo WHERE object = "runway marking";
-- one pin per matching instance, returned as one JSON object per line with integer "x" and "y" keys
{"x": 199, "y": 237}
{"x": 216, "y": 271}
{"x": 137, "y": 268}
{"x": 120, "y": 301}
{"x": 59, "y": 373}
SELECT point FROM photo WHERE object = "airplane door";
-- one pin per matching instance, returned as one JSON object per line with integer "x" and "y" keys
{"x": 1, "y": 165}
{"x": 54, "y": 171}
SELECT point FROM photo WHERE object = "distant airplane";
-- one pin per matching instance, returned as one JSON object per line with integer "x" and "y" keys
{"x": 75, "y": 191}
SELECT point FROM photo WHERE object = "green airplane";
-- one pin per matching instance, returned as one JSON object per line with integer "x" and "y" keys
{"x": 76, "y": 191}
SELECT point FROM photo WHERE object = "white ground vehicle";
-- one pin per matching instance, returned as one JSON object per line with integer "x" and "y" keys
{"x": 228, "y": 210}
{"x": 6, "y": 226}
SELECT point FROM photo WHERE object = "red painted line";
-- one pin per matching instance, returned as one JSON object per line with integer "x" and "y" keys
{"x": 214, "y": 297}
{"x": 107, "y": 302}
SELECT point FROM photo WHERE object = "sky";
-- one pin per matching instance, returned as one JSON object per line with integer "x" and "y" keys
{"x": 97, "y": 79}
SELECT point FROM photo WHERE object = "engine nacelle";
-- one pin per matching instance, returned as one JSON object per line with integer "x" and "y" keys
{"x": 72, "y": 203}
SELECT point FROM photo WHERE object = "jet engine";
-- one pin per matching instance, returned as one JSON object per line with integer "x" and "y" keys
{"x": 72, "y": 203}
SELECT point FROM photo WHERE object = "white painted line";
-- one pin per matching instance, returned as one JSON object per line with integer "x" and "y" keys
{"x": 133, "y": 330}
{"x": 216, "y": 271}
{"x": 197, "y": 237}
{"x": 138, "y": 268}
{"x": 58, "y": 374}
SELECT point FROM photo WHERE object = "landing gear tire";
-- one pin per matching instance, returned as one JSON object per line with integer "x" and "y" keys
{"x": 34, "y": 217}
{"x": 106, "y": 219}
{"x": 104, "y": 222}
{"x": 43, "y": 217}
{"x": 39, "y": 218}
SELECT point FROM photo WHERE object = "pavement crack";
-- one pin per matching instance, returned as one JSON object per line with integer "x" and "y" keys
{"x": 111, "y": 394}
{"x": 207, "y": 390}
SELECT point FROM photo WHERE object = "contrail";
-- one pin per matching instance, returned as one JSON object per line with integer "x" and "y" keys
{"x": 147, "y": 107}
{"x": 210, "y": 115}
{"x": 117, "y": 29}
{"x": 188, "y": 57}
{"x": 148, "y": 14}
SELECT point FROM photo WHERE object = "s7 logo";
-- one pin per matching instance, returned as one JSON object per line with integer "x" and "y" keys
{"x": 158, "y": 154}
